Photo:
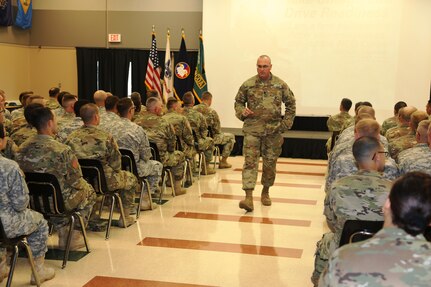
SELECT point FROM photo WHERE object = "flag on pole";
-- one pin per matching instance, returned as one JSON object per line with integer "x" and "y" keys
{"x": 152, "y": 77}
{"x": 200, "y": 84}
{"x": 6, "y": 12}
{"x": 182, "y": 82}
{"x": 168, "y": 80}
{"x": 24, "y": 14}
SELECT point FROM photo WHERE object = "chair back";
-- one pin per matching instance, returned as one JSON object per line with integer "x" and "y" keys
{"x": 359, "y": 230}
{"x": 128, "y": 162}
{"x": 155, "y": 151}
{"x": 93, "y": 173}
{"x": 334, "y": 138}
{"x": 210, "y": 132}
{"x": 45, "y": 193}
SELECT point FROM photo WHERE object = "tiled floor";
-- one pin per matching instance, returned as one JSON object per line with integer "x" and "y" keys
{"x": 204, "y": 239}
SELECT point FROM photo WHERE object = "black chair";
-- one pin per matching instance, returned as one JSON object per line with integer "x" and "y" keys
{"x": 218, "y": 148}
{"x": 166, "y": 173}
{"x": 334, "y": 138}
{"x": 128, "y": 163}
{"x": 359, "y": 230}
{"x": 201, "y": 156}
{"x": 15, "y": 243}
{"x": 46, "y": 198}
{"x": 93, "y": 173}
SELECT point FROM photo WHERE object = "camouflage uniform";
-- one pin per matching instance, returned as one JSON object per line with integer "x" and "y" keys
{"x": 133, "y": 137}
{"x": 7, "y": 114}
{"x": 89, "y": 142}
{"x": 345, "y": 165}
{"x": 262, "y": 130}
{"x": 16, "y": 218}
{"x": 227, "y": 140}
{"x": 417, "y": 158}
{"x": 388, "y": 123}
{"x": 52, "y": 103}
{"x": 22, "y": 134}
{"x": 200, "y": 128}
{"x": 162, "y": 133}
{"x": 402, "y": 143}
{"x": 183, "y": 131}
{"x": 360, "y": 196}
{"x": 109, "y": 121}
{"x": 335, "y": 123}
{"x": 65, "y": 118}
{"x": 348, "y": 123}
{"x": 66, "y": 128}
{"x": 10, "y": 149}
{"x": 391, "y": 257}
{"x": 396, "y": 132}
{"x": 42, "y": 153}
{"x": 17, "y": 113}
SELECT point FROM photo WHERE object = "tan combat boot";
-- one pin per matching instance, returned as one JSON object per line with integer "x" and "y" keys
{"x": 4, "y": 269}
{"x": 77, "y": 241}
{"x": 44, "y": 273}
{"x": 129, "y": 219}
{"x": 207, "y": 170}
{"x": 223, "y": 163}
{"x": 247, "y": 203}
{"x": 264, "y": 197}
{"x": 179, "y": 190}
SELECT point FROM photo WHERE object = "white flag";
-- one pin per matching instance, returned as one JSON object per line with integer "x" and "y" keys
{"x": 168, "y": 79}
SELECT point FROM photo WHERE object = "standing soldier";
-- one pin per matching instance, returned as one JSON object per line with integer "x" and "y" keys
{"x": 258, "y": 105}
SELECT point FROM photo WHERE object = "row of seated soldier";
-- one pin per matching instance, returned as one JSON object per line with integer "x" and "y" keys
{"x": 368, "y": 165}
{"x": 53, "y": 136}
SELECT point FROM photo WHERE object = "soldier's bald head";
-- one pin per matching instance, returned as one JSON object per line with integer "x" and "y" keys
{"x": 99, "y": 97}
{"x": 406, "y": 112}
{"x": 367, "y": 127}
{"x": 367, "y": 110}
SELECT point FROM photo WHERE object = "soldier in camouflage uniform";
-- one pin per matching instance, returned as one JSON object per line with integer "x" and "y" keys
{"x": 183, "y": 131}
{"x": 397, "y": 255}
{"x": 200, "y": 129}
{"x": 110, "y": 119}
{"x": 52, "y": 102}
{"x": 133, "y": 137}
{"x": 417, "y": 158}
{"x": 3, "y": 105}
{"x": 22, "y": 99}
{"x": 336, "y": 122}
{"x": 67, "y": 103}
{"x": 42, "y": 153}
{"x": 408, "y": 140}
{"x": 392, "y": 121}
{"x": 99, "y": 98}
{"x": 17, "y": 219}
{"x": 90, "y": 142}
{"x": 403, "y": 128}
{"x": 140, "y": 109}
{"x": 67, "y": 127}
{"x": 162, "y": 134}
{"x": 359, "y": 196}
{"x": 227, "y": 140}
{"x": 258, "y": 105}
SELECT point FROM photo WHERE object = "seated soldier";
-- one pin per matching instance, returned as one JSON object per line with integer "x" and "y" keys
{"x": 392, "y": 121}
{"x": 19, "y": 113}
{"x": 67, "y": 103}
{"x": 359, "y": 196}
{"x": 140, "y": 109}
{"x": 397, "y": 255}
{"x": 200, "y": 128}
{"x": 110, "y": 118}
{"x": 67, "y": 127}
{"x": 408, "y": 140}
{"x": 17, "y": 219}
{"x": 162, "y": 134}
{"x": 133, "y": 137}
{"x": 227, "y": 140}
{"x": 52, "y": 102}
{"x": 336, "y": 122}
{"x": 42, "y": 153}
{"x": 402, "y": 128}
{"x": 90, "y": 142}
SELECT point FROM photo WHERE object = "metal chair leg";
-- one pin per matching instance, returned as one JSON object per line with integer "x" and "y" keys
{"x": 111, "y": 212}
{"x": 31, "y": 261}
{"x": 120, "y": 205}
{"x": 150, "y": 197}
{"x": 69, "y": 240}
{"x": 12, "y": 265}
{"x": 84, "y": 233}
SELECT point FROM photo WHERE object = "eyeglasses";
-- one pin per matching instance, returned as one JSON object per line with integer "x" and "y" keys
{"x": 384, "y": 152}
{"x": 262, "y": 66}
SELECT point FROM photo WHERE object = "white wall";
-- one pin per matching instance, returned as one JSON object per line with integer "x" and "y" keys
{"x": 325, "y": 50}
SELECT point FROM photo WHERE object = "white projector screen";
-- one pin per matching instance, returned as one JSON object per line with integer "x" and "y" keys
{"x": 365, "y": 50}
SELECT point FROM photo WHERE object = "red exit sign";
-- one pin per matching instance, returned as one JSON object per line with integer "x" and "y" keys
{"x": 114, "y": 38}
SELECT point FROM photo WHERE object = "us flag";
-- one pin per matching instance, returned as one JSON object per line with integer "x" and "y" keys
{"x": 152, "y": 77}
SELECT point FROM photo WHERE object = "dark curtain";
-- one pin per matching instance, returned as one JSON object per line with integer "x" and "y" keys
{"x": 113, "y": 70}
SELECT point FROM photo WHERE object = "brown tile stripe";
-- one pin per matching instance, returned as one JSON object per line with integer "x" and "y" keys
{"x": 247, "y": 219}
{"x": 103, "y": 281}
{"x": 277, "y": 183}
{"x": 222, "y": 247}
{"x": 300, "y": 163}
{"x": 257, "y": 198}
{"x": 292, "y": 172}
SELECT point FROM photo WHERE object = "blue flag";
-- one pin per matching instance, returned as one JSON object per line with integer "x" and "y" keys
{"x": 5, "y": 12}
{"x": 23, "y": 16}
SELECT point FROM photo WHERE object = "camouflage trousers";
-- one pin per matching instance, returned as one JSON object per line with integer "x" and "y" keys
{"x": 34, "y": 225}
{"x": 324, "y": 249}
{"x": 127, "y": 185}
{"x": 207, "y": 146}
{"x": 227, "y": 140}
{"x": 152, "y": 171}
{"x": 175, "y": 160}
{"x": 269, "y": 147}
